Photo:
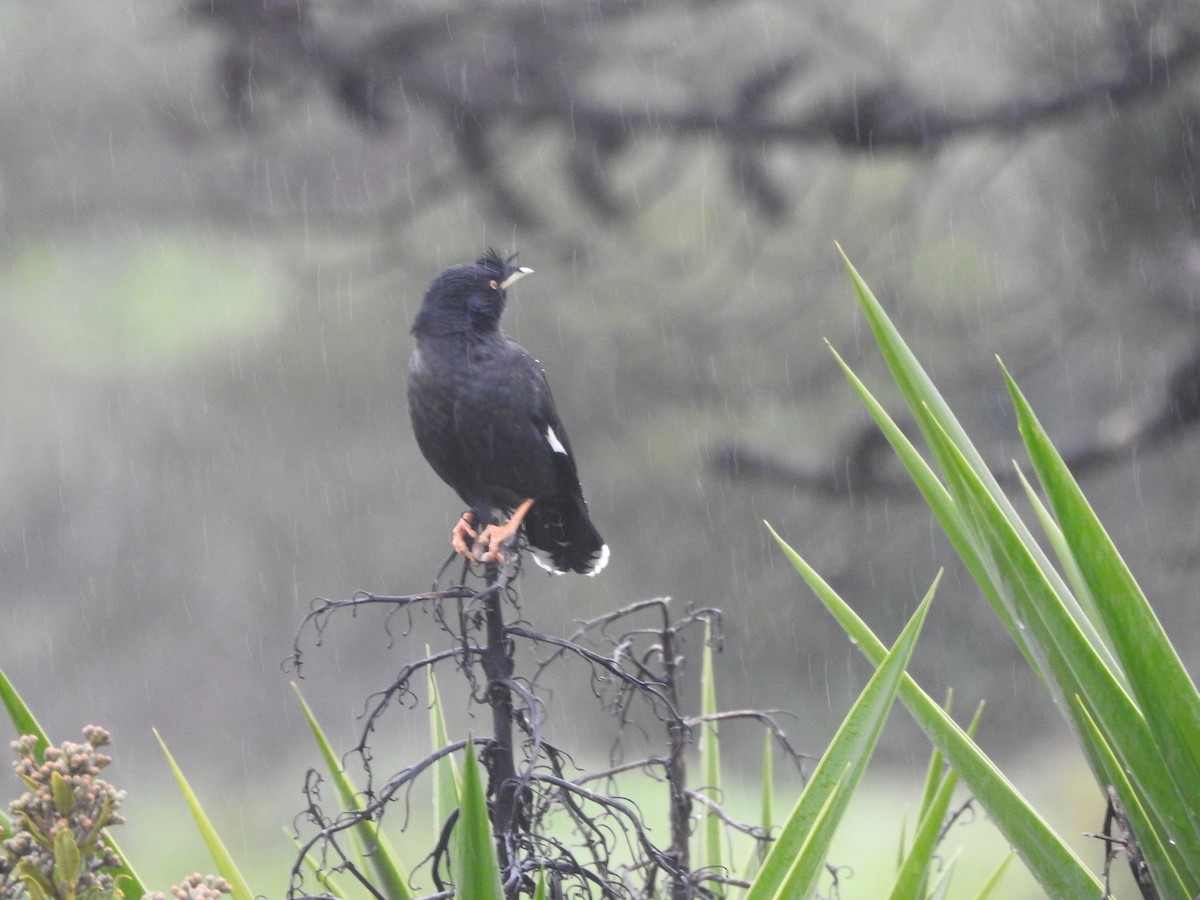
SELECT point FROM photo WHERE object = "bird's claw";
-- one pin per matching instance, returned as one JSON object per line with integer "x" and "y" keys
{"x": 462, "y": 531}
{"x": 491, "y": 537}
{"x": 482, "y": 546}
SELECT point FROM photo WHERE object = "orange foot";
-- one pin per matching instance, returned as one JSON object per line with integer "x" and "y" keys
{"x": 462, "y": 531}
{"x": 491, "y": 538}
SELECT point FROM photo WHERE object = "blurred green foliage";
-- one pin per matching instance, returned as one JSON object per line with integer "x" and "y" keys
{"x": 98, "y": 311}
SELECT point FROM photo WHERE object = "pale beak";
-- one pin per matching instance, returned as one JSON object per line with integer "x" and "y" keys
{"x": 516, "y": 276}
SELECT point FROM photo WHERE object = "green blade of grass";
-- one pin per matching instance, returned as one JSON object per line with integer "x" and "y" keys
{"x": 915, "y": 385}
{"x": 1077, "y": 668}
{"x": 475, "y": 867}
{"x": 1062, "y": 551}
{"x": 25, "y": 722}
{"x": 216, "y": 847}
{"x": 1172, "y": 702}
{"x": 934, "y": 771}
{"x": 941, "y": 887}
{"x": 914, "y": 871}
{"x": 1076, "y": 664}
{"x": 1055, "y": 866}
{"x": 1014, "y": 573}
{"x": 1011, "y": 571}
{"x": 710, "y": 758}
{"x": 21, "y": 715}
{"x": 767, "y": 803}
{"x": 941, "y": 428}
{"x": 1157, "y": 677}
{"x": 992, "y": 885}
{"x": 766, "y": 808}
{"x": 941, "y": 504}
{"x": 445, "y": 784}
{"x": 1065, "y": 651}
{"x": 1168, "y": 881}
{"x": 913, "y": 875}
{"x": 371, "y": 842}
{"x": 805, "y": 867}
{"x": 809, "y": 829}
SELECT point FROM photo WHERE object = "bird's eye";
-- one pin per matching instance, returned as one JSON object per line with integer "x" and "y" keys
{"x": 494, "y": 284}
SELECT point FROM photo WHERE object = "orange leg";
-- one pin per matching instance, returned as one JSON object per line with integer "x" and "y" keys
{"x": 462, "y": 531}
{"x": 494, "y": 535}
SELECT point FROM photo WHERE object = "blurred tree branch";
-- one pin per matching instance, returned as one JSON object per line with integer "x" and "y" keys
{"x": 867, "y": 465}
{"x": 482, "y": 80}
{"x": 485, "y": 77}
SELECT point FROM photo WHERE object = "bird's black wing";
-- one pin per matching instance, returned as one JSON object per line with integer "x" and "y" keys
{"x": 550, "y": 429}
{"x": 558, "y": 527}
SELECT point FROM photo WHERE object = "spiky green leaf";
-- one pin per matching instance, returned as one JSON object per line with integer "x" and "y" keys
{"x": 1056, "y": 867}
{"x": 474, "y": 864}
{"x": 710, "y": 758}
{"x": 372, "y": 843}
{"x": 445, "y": 785}
{"x": 795, "y": 857}
{"x": 221, "y": 856}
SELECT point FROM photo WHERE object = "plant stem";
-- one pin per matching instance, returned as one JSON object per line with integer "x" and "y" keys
{"x": 498, "y": 667}
{"x": 677, "y": 736}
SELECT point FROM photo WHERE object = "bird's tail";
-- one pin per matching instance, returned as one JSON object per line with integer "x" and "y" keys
{"x": 562, "y": 537}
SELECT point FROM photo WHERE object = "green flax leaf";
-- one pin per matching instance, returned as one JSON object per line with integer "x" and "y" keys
{"x": 216, "y": 847}
{"x": 372, "y": 843}
{"x": 796, "y": 856}
{"x": 475, "y": 867}
{"x": 1056, "y": 867}
{"x": 710, "y": 758}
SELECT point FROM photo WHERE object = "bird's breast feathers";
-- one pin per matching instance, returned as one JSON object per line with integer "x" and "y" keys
{"x": 485, "y": 387}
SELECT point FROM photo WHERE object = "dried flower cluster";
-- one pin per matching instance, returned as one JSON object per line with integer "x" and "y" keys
{"x": 196, "y": 887}
{"x": 56, "y": 849}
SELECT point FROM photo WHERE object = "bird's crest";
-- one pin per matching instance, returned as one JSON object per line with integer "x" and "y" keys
{"x": 495, "y": 263}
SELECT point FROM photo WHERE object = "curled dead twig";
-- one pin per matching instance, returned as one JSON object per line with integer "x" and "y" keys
{"x": 718, "y": 810}
{"x": 766, "y": 718}
{"x": 534, "y": 785}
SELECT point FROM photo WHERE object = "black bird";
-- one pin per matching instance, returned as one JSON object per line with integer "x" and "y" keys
{"x": 483, "y": 416}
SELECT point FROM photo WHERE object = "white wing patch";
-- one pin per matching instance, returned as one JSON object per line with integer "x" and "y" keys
{"x": 555, "y": 444}
{"x": 543, "y": 559}
{"x": 599, "y": 561}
